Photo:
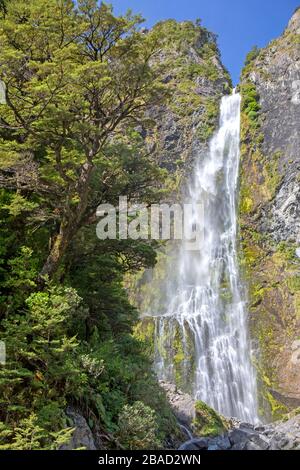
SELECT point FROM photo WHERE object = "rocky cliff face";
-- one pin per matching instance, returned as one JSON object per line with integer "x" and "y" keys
{"x": 196, "y": 80}
{"x": 269, "y": 213}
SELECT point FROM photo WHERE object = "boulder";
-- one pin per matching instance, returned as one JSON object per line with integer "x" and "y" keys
{"x": 82, "y": 436}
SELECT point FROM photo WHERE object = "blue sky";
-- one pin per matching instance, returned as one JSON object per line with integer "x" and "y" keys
{"x": 240, "y": 24}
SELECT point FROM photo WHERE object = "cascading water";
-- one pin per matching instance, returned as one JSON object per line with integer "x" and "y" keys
{"x": 202, "y": 333}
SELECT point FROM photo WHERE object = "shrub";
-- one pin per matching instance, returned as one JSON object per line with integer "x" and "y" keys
{"x": 138, "y": 427}
{"x": 250, "y": 101}
{"x": 30, "y": 436}
{"x": 207, "y": 421}
{"x": 252, "y": 55}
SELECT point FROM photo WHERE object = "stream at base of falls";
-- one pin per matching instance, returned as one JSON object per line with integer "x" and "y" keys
{"x": 201, "y": 333}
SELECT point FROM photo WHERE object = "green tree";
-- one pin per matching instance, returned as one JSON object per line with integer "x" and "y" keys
{"x": 74, "y": 76}
{"x": 138, "y": 427}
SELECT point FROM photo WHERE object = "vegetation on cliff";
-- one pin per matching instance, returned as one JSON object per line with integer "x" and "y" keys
{"x": 207, "y": 422}
{"x": 268, "y": 253}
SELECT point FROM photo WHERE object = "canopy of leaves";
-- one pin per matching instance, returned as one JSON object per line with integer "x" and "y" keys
{"x": 78, "y": 82}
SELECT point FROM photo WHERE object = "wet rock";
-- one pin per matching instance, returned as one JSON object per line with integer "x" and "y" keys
{"x": 195, "y": 444}
{"x": 282, "y": 435}
{"x": 82, "y": 436}
{"x": 202, "y": 443}
{"x": 246, "y": 438}
{"x": 236, "y": 436}
{"x": 183, "y": 405}
{"x": 239, "y": 446}
{"x": 190, "y": 445}
{"x": 259, "y": 428}
{"x": 251, "y": 446}
{"x": 260, "y": 442}
{"x": 222, "y": 443}
{"x": 286, "y": 434}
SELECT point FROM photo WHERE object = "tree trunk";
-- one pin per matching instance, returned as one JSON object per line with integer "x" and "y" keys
{"x": 57, "y": 251}
{"x": 68, "y": 226}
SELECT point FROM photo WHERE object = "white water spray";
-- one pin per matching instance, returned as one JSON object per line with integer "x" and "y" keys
{"x": 203, "y": 331}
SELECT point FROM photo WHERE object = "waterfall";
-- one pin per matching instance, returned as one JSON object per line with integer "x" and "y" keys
{"x": 201, "y": 337}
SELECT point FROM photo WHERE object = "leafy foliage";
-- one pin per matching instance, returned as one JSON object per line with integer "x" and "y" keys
{"x": 30, "y": 436}
{"x": 207, "y": 422}
{"x": 250, "y": 102}
{"x": 138, "y": 427}
{"x": 251, "y": 56}
{"x": 79, "y": 81}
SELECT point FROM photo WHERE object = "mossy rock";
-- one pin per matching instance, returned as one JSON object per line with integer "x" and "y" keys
{"x": 207, "y": 421}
